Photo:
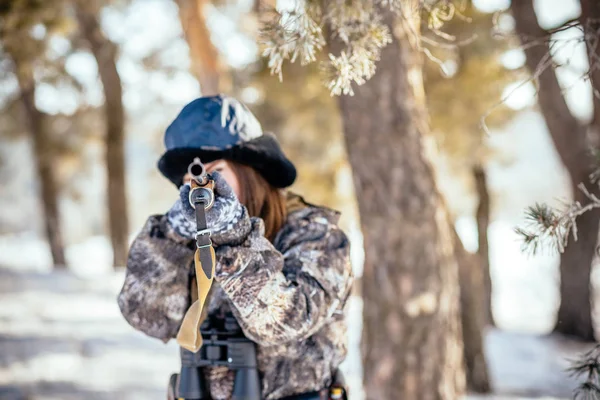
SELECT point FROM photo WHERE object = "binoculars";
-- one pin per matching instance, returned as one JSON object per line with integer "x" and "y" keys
{"x": 224, "y": 344}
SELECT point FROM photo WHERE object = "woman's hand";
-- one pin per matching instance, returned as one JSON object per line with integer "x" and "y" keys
{"x": 226, "y": 214}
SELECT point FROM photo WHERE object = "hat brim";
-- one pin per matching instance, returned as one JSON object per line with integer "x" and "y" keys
{"x": 263, "y": 154}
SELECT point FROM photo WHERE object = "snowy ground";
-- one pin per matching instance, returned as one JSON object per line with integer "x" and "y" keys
{"x": 62, "y": 337}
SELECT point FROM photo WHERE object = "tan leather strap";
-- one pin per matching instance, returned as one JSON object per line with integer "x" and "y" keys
{"x": 189, "y": 336}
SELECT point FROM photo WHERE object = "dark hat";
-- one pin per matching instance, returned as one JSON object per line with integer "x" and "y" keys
{"x": 220, "y": 127}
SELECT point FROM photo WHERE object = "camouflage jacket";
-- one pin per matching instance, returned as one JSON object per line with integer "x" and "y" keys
{"x": 288, "y": 296}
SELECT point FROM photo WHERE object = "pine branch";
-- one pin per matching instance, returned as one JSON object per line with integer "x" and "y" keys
{"x": 298, "y": 35}
{"x": 292, "y": 35}
{"x": 571, "y": 23}
{"x": 548, "y": 227}
{"x": 587, "y": 366}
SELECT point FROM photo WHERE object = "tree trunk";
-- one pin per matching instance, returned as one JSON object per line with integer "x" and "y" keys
{"x": 575, "y": 311}
{"x": 411, "y": 339}
{"x": 204, "y": 56}
{"x": 483, "y": 222}
{"x": 106, "y": 56}
{"x": 44, "y": 165}
{"x": 260, "y": 5}
{"x": 471, "y": 277}
{"x": 590, "y": 20}
{"x": 569, "y": 137}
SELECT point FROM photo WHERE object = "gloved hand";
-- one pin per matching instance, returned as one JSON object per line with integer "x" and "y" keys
{"x": 227, "y": 219}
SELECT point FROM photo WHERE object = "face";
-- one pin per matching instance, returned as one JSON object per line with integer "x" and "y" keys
{"x": 223, "y": 168}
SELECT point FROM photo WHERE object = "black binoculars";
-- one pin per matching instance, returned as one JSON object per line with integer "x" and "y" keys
{"x": 224, "y": 344}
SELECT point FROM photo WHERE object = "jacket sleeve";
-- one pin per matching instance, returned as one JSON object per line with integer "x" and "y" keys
{"x": 155, "y": 294}
{"x": 287, "y": 296}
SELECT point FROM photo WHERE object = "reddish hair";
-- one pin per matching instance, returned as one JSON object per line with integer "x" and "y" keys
{"x": 261, "y": 198}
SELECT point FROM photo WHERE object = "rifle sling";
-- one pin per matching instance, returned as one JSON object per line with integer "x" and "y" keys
{"x": 189, "y": 336}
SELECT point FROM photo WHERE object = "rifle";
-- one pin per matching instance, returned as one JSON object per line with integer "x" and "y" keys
{"x": 201, "y": 198}
{"x": 226, "y": 344}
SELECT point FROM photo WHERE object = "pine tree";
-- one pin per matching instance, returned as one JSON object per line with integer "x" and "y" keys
{"x": 17, "y": 20}
{"x": 572, "y": 140}
{"x": 105, "y": 53}
{"x": 204, "y": 56}
{"x": 411, "y": 335}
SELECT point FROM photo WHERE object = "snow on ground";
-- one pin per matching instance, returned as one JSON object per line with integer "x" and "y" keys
{"x": 62, "y": 337}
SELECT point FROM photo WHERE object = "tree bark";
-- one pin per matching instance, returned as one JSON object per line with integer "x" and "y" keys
{"x": 575, "y": 311}
{"x": 411, "y": 339}
{"x": 260, "y": 5}
{"x": 473, "y": 316}
{"x": 105, "y": 53}
{"x": 44, "y": 164}
{"x": 483, "y": 223}
{"x": 590, "y": 21}
{"x": 569, "y": 137}
{"x": 204, "y": 56}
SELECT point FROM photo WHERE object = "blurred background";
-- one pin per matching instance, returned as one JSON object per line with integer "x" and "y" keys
{"x": 81, "y": 84}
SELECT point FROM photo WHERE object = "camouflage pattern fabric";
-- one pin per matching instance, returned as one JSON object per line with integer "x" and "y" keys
{"x": 288, "y": 296}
